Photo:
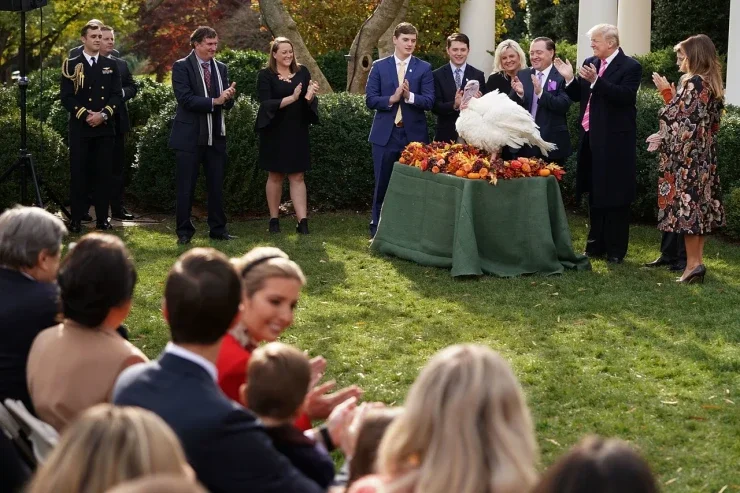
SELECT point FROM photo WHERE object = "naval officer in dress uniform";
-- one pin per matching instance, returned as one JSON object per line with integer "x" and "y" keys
{"x": 91, "y": 92}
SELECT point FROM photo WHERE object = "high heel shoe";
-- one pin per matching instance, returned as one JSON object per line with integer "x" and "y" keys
{"x": 696, "y": 275}
{"x": 274, "y": 225}
{"x": 302, "y": 227}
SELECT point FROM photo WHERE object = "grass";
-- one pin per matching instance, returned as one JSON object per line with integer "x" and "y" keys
{"x": 619, "y": 351}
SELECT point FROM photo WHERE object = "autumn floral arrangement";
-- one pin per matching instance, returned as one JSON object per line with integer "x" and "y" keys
{"x": 466, "y": 161}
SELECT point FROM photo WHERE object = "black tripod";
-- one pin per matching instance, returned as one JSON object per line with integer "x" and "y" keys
{"x": 25, "y": 163}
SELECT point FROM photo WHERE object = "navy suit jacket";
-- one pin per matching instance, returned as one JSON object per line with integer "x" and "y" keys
{"x": 552, "y": 112}
{"x": 129, "y": 87}
{"x": 26, "y": 308}
{"x": 444, "y": 98}
{"x": 192, "y": 103}
{"x": 226, "y": 444}
{"x": 383, "y": 82}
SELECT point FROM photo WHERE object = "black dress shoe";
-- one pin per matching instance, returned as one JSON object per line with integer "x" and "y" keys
{"x": 122, "y": 215}
{"x": 75, "y": 227}
{"x": 183, "y": 240}
{"x": 302, "y": 227}
{"x": 696, "y": 275}
{"x": 614, "y": 260}
{"x": 677, "y": 267}
{"x": 104, "y": 226}
{"x": 659, "y": 262}
{"x": 87, "y": 217}
{"x": 222, "y": 236}
{"x": 274, "y": 225}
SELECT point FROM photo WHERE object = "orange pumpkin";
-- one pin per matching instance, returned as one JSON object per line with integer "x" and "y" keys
{"x": 483, "y": 172}
{"x": 435, "y": 169}
{"x": 474, "y": 176}
{"x": 460, "y": 173}
{"x": 526, "y": 168}
{"x": 544, "y": 172}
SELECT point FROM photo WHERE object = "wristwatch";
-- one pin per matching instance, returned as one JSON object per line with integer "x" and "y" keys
{"x": 105, "y": 116}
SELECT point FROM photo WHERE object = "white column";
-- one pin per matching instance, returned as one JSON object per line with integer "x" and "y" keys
{"x": 634, "y": 26}
{"x": 478, "y": 22}
{"x": 733, "y": 56}
{"x": 590, "y": 13}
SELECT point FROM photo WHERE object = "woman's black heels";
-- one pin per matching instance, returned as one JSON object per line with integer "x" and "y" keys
{"x": 696, "y": 275}
{"x": 302, "y": 227}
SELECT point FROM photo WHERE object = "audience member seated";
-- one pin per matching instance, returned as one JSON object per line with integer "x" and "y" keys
{"x": 279, "y": 377}
{"x": 596, "y": 465}
{"x": 108, "y": 445}
{"x": 30, "y": 252}
{"x": 365, "y": 439}
{"x": 74, "y": 365}
{"x": 225, "y": 443}
{"x": 159, "y": 483}
{"x": 465, "y": 428}
{"x": 271, "y": 287}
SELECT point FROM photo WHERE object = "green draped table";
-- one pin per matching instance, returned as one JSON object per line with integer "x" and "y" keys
{"x": 472, "y": 227}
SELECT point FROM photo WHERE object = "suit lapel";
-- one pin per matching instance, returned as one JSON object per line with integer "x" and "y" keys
{"x": 393, "y": 70}
{"x": 612, "y": 67}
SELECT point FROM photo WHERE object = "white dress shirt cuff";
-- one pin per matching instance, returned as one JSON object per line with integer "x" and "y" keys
{"x": 410, "y": 100}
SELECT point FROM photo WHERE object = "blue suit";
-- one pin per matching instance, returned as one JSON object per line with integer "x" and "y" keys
{"x": 388, "y": 139}
{"x": 226, "y": 444}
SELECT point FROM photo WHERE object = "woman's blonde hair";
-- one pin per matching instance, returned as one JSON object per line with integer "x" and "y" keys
{"x": 701, "y": 59}
{"x": 465, "y": 428}
{"x": 106, "y": 446}
{"x": 262, "y": 263}
{"x": 502, "y": 46}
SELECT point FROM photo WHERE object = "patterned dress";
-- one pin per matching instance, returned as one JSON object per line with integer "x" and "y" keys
{"x": 688, "y": 188}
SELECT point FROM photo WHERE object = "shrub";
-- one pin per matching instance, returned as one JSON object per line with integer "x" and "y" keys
{"x": 243, "y": 67}
{"x": 151, "y": 98}
{"x": 674, "y": 20}
{"x": 660, "y": 61}
{"x": 732, "y": 212}
{"x": 50, "y": 155}
{"x": 728, "y": 144}
{"x": 334, "y": 66}
{"x": 58, "y": 120}
{"x": 244, "y": 182}
{"x": 42, "y": 92}
{"x": 8, "y": 99}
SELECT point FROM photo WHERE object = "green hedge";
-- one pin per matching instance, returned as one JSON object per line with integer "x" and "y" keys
{"x": 50, "y": 157}
{"x": 243, "y": 67}
{"x": 150, "y": 98}
{"x": 732, "y": 211}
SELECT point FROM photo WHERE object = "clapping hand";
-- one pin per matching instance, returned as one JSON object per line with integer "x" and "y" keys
{"x": 458, "y": 99}
{"x": 226, "y": 94}
{"x": 654, "y": 142}
{"x": 313, "y": 89}
{"x": 564, "y": 68}
{"x": 297, "y": 92}
{"x": 588, "y": 72}
{"x": 319, "y": 402}
{"x": 396, "y": 95}
{"x": 518, "y": 87}
{"x": 661, "y": 83}
{"x": 537, "y": 85}
{"x": 406, "y": 90}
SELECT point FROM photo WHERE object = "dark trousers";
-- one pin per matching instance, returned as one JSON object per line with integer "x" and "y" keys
{"x": 90, "y": 169}
{"x": 188, "y": 164}
{"x": 672, "y": 247}
{"x": 119, "y": 173}
{"x": 383, "y": 159}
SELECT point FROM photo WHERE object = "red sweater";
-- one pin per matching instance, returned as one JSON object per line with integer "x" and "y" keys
{"x": 232, "y": 373}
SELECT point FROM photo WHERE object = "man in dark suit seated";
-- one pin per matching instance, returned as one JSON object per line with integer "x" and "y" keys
{"x": 123, "y": 126}
{"x": 30, "y": 251}
{"x": 541, "y": 91}
{"x": 226, "y": 444}
{"x": 449, "y": 84}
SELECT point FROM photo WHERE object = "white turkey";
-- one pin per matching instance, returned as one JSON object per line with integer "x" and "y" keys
{"x": 494, "y": 121}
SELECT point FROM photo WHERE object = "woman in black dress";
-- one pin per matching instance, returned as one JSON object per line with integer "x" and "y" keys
{"x": 288, "y": 105}
{"x": 508, "y": 59}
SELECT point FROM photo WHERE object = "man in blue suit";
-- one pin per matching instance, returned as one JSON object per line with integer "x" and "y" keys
{"x": 225, "y": 444}
{"x": 400, "y": 88}
{"x": 541, "y": 91}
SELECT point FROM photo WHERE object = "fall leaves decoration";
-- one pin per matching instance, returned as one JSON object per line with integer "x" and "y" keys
{"x": 466, "y": 161}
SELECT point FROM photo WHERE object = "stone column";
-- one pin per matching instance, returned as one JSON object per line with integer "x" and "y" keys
{"x": 590, "y": 13}
{"x": 634, "y": 26}
{"x": 733, "y": 56}
{"x": 478, "y": 22}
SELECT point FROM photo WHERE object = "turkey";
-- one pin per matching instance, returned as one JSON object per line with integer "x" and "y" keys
{"x": 494, "y": 121}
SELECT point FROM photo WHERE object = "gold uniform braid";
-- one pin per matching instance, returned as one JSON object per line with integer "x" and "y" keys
{"x": 77, "y": 77}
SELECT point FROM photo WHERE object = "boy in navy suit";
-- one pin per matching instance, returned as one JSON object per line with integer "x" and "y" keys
{"x": 400, "y": 88}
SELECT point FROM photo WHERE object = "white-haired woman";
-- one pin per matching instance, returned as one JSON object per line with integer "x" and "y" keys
{"x": 465, "y": 428}
{"x": 508, "y": 59}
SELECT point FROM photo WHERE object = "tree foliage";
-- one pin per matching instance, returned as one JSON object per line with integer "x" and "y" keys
{"x": 556, "y": 19}
{"x": 675, "y": 20}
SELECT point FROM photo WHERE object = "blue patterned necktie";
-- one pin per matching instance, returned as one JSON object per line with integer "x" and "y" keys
{"x": 458, "y": 78}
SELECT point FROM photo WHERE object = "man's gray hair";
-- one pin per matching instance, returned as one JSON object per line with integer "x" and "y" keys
{"x": 27, "y": 231}
{"x": 608, "y": 31}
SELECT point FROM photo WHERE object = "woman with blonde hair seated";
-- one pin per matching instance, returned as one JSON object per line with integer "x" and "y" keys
{"x": 109, "y": 445}
{"x": 465, "y": 429}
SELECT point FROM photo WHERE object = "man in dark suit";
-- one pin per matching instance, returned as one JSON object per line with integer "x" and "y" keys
{"x": 123, "y": 126}
{"x": 198, "y": 135}
{"x": 226, "y": 444}
{"x": 400, "y": 88}
{"x": 607, "y": 90}
{"x": 449, "y": 84}
{"x": 77, "y": 50}
{"x": 91, "y": 92}
{"x": 30, "y": 251}
{"x": 541, "y": 91}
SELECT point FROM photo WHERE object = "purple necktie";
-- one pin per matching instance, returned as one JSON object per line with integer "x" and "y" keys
{"x": 535, "y": 99}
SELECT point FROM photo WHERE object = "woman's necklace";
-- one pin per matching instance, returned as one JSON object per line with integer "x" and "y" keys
{"x": 285, "y": 78}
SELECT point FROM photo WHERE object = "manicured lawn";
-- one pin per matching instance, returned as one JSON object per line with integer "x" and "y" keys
{"x": 619, "y": 351}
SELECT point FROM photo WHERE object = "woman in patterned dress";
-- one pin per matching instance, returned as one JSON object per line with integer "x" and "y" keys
{"x": 688, "y": 188}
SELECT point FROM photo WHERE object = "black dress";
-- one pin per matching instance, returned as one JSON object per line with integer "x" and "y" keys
{"x": 499, "y": 81}
{"x": 283, "y": 132}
